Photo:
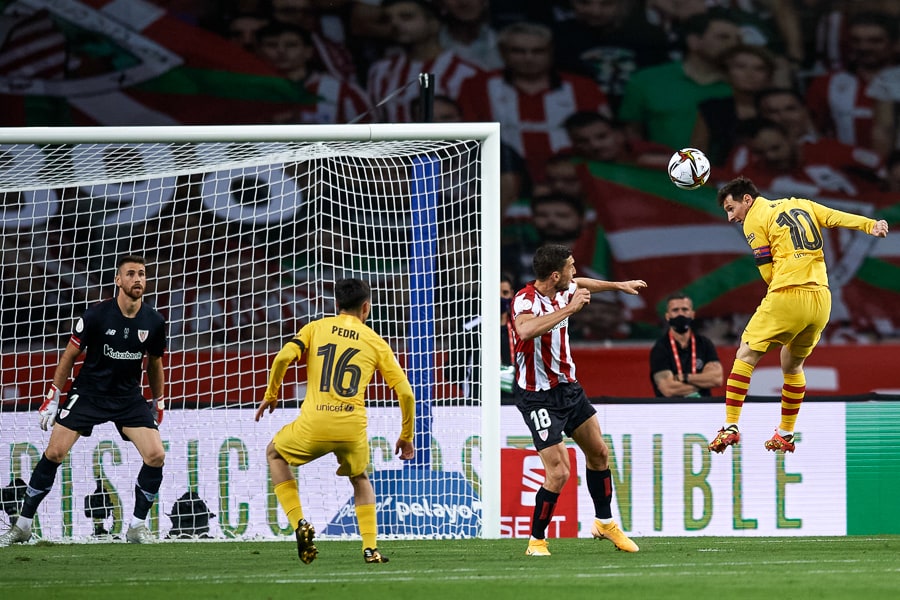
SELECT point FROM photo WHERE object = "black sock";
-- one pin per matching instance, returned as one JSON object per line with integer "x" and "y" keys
{"x": 39, "y": 486}
{"x": 544, "y": 503}
{"x": 146, "y": 490}
{"x": 599, "y": 485}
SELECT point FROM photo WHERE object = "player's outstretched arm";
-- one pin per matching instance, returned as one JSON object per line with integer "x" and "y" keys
{"x": 880, "y": 229}
{"x": 633, "y": 286}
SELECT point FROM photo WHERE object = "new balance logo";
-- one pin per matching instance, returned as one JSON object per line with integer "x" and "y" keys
{"x": 110, "y": 332}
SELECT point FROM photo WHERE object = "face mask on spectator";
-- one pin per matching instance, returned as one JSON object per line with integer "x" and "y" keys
{"x": 680, "y": 323}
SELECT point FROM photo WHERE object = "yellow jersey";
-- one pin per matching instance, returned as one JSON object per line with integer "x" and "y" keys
{"x": 342, "y": 354}
{"x": 786, "y": 238}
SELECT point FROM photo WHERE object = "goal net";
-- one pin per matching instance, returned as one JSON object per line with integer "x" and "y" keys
{"x": 245, "y": 230}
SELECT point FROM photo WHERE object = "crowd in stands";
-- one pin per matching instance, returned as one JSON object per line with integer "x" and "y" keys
{"x": 800, "y": 95}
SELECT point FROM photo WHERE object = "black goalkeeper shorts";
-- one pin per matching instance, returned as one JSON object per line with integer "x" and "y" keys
{"x": 80, "y": 412}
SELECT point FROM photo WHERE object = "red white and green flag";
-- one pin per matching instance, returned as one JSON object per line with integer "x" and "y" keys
{"x": 128, "y": 62}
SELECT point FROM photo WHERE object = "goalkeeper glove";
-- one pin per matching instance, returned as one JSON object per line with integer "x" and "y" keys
{"x": 48, "y": 409}
{"x": 159, "y": 406}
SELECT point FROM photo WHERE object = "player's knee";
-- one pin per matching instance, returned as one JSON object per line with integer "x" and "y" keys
{"x": 556, "y": 477}
{"x": 55, "y": 454}
{"x": 155, "y": 457}
{"x": 597, "y": 457}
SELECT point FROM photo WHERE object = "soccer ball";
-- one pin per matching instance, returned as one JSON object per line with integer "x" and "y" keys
{"x": 689, "y": 168}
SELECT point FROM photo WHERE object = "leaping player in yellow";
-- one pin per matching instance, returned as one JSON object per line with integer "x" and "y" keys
{"x": 342, "y": 354}
{"x": 786, "y": 238}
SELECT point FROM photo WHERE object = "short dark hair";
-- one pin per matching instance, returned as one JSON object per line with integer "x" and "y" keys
{"x": 759, "y": 52}
{"x": 572, "y": 201}
{"x": 878, "y": 19}
{"x": 130, "y": 258}
{"x": 549, "y": 258}
{"x": 776, "y": 91}
{"x": 677, "y": 296}
{"x": 349, "y": 294}
{"x": 583, "y": 118}
{"x": 736, "y": 188}
{"x": 427, "y": 7}
{"x": 699, "y": 23}
{"x": 276, "y": 28}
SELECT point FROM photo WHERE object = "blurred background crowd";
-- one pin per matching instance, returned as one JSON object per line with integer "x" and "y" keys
{"x": 592, "y": 97}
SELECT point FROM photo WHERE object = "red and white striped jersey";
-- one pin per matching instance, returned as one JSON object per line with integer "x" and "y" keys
{"x": 839, "y": 104}
{"x": 543, "y": 362}
{"x": 388, "y": 75}
{"x": 338, "y": 102}
{"x": 33, "y": 48}
{"x": 532, "y": 124}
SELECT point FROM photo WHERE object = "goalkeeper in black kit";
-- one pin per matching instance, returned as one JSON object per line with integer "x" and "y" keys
{"x": 342, "y": 354}
{"x": 115, "y": 335}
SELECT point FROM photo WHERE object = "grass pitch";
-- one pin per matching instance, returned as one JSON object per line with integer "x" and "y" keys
{"x": 671, "y": 568}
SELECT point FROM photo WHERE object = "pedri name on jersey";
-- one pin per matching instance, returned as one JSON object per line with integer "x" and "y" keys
{"x": 121, "y": 355}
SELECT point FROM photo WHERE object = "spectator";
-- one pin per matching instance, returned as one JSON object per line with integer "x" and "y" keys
{"x": 606, "y": 42}
{"x": 668, "y": 16}
{"x": 530, "y": 98}
{"x": 668, "y": 117}
{"x": 290, "y": 50}
{"x": 748, "y": 69}
{"x": 558, "y": 219}
{"x": 885, "y": 90}
{"x": 414, "y": 26}
{"x": 243, "y": 27}
{"x": 596, "y": 137}
{"x": 683, "y": 364}
{"x": 772, "y": 24}
{"x": 467, "y": 32}
{"x": 333, "y": 54}
{"x": 837, "y": 100}
{"x": 784, "y": 166}
{"x": 783, "y": 106}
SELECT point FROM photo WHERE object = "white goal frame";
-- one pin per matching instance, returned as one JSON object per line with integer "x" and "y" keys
{"x": 486, "y": 134}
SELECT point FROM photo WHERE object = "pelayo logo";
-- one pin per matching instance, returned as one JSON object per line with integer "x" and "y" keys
{"x": 417, "y": 502}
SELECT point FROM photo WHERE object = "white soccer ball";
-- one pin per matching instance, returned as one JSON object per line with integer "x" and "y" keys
{"x": 689, "y": 168}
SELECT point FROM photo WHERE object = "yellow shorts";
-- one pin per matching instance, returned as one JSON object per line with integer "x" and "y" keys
{"x": 793, "y": 317}
{"x": 295, "y": 446}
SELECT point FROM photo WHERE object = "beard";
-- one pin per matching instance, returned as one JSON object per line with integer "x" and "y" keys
{"x": 559, "y": 236}
{"x": 135, "y": 293}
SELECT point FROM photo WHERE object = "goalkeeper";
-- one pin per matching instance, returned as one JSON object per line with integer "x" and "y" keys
{"x": 115, "y": 336}
{"x": 342, "y": 354}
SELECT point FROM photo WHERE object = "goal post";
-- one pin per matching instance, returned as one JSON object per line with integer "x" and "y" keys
{"x": 245, "y": 229}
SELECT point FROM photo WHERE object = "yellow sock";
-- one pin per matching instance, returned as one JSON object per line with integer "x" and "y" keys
{"x": 368, "y": 525}
{"x": 736, "y": 390}
{"x": 792, "y": 393}
{"x": 289, "y": 499}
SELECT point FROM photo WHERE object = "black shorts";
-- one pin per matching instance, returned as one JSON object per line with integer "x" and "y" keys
{"x": 80, "y": 412}
{"x": 550, "y": 414}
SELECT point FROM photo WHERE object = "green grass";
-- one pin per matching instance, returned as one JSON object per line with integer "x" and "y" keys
{"x": 670, "y": 568}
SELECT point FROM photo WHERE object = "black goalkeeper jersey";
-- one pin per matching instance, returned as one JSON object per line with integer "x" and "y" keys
{"x": 115, "y": 346}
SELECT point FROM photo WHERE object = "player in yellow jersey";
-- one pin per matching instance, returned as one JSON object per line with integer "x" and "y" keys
{"x": 786, "y": 238}
{"x": 342, "y": 354}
